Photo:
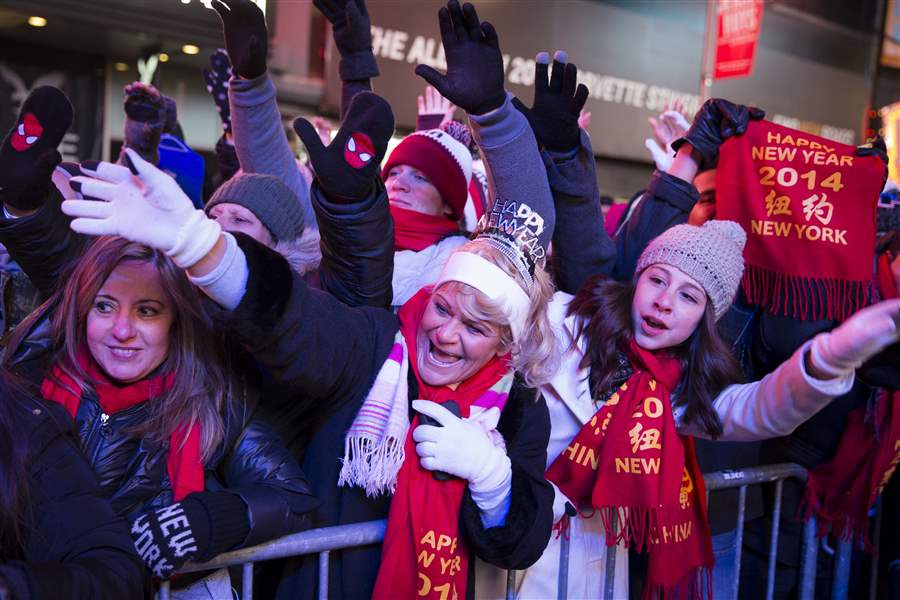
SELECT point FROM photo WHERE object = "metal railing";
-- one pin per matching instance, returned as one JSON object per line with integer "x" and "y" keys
{"x": 323, "y": 541}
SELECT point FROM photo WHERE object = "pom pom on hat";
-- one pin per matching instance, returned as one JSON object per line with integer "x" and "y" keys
{"x": 445, "y": 161}
{"x": 711, "y": 254}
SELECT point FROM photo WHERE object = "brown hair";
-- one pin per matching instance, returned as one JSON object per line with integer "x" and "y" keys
{"x": 604, "y": 310}
{"x": 199, "y": 390}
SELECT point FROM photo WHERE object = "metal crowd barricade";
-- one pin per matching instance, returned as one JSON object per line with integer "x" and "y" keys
{"x": 323, "y": 541}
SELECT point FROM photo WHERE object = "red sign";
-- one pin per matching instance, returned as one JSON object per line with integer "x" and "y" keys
{"x": 739, "y": 22}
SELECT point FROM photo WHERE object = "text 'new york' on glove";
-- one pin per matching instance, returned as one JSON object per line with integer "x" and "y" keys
{"x": 347, "y": 168}
{"x": 716, "y": 121}
{"x": 557, "y": 103}
{"x": 164, "y": 538}
{"x": 474, "y": 79}
{"x": 28, "y": 154}
{"x": 246, "y": 36}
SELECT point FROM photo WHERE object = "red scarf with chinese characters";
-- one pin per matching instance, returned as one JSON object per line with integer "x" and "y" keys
{"x": 630, "y": 464}
{"x": 183, "y": 462}
{"x": 416, "y": 231}
{"x": 423, "y": 555}
{"x": 841, "y": 491}
{"x": 808, "y": 205}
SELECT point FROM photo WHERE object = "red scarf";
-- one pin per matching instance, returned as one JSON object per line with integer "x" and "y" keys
{"x": 841, "y": 491}
{"x": 630, "y": 463}
{"x": 416, "y": 231}
{"x": 184, "y": 464}
{"x": 424, "y": 555}
{"x": 808, "y": 206}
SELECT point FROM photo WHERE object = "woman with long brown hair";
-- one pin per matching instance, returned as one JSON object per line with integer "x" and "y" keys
{"x": 163, "y": 410}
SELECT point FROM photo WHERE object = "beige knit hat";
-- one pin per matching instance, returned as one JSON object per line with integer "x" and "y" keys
{"x": 711, "y": 254}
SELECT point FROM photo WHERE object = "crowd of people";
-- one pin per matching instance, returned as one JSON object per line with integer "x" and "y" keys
{"x": 447, "y": 336}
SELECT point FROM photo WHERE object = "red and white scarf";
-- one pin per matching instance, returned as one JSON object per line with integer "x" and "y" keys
{"x": 631, "y": 465}
{"x": 424, "y": 554}
{"x": 184, "y": 463}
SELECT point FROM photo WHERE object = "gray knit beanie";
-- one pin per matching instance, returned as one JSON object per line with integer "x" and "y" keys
{"x": 273, "y": 203}
{"x": 711, "y": 254}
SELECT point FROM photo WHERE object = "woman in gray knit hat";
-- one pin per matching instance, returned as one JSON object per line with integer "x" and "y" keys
{"x": 268, "y": 211}
{"x": 644, "y": 372}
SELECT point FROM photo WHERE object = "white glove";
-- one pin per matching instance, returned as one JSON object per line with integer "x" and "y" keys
{"x": 147, "y": 207}
{"x": 461, "y": 447}
{"x": 857, "y": 339}
{"x": 663, "y": 157}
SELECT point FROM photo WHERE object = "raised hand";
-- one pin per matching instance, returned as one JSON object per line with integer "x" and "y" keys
{"x": 557, "y": 103}
{"x": 217, "y": 78}
{"x": 347, "y": 168}
{"x": 876, "y": 147}
{"x": 434, "y": 109}
{"x": 28, "y": 153}
{"x": 716, "y": 121}
{"x": 668, "y": 127}
{"x": 856, "y": 340}
{"x": 474, "y": 79}
{"x": 141, "y": 203}
{"x": 246, "y": 36}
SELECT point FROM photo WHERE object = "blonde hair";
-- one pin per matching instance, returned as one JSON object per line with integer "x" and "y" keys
{"x": 534, "y": 354}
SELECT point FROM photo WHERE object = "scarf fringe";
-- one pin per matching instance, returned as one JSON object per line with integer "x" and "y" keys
{"x": 635, "y": 526}
{"x": 804, "y": 298}
{"x": 371, "y": 464}
{"x": 697, "y": 584}
{"x": 817, "y": 502}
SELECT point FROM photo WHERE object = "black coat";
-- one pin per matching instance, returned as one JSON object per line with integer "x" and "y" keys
{"x": 251, "y": 462}
{"x": 327, "y": 355}
{"x": 75, "y": 545}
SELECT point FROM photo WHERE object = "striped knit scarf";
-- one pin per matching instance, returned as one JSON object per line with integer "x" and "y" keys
{"x": 373, "y": 447}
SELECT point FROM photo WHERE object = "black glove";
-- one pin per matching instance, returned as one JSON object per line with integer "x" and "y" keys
{"x": 28, "y": 154}
{"x": 164, "y": 538}
{"x": 716, "y": 121}
{"x": 351, "y": 29}
{"x": 474, "y": 79}
{"x": 217, "y": 79}
{"x": 557, "y": 103}
{"x": 145, "y": 119}
{"x": 348, "y": 167}
{"x": 246, "y": 36}
{"x": 876, "y": 148}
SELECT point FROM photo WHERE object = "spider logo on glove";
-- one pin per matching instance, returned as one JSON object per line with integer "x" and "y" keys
{"x": 27, "y": 133}
{"x": 359, "y": 150}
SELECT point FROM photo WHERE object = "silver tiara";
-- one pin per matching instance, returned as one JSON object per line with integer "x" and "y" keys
{"x": 514, "y": 229}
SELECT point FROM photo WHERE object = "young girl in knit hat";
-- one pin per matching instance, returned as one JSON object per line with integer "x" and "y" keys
{"x": 644, "y": 372}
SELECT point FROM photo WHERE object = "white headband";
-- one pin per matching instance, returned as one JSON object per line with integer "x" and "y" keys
{"x": 493, "y": 282}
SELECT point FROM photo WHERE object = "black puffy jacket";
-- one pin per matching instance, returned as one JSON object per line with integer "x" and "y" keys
{"x": 72, "y": 540}
{"x": 251, "y": 461}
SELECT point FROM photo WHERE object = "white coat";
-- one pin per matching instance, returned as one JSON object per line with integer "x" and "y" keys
{"x": 771, "y": 407}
